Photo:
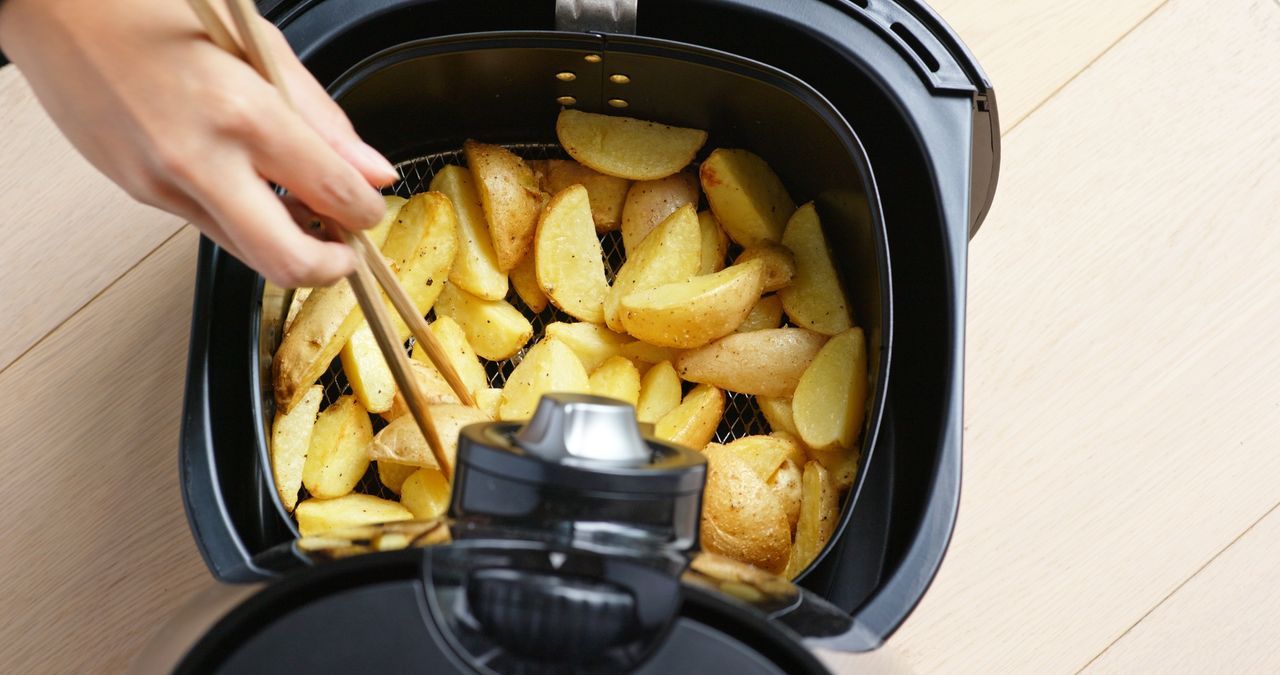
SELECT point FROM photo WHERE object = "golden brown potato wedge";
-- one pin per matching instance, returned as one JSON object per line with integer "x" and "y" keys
{"x": 393, "y": 475}
{"x": 510, "y": 197}
{"x": 692, "y": 313}
{"x": 607, "y": 193}
{"x": 475, "y": 268}
{"x": 693, "y": 423}
{"x": 424, "y": 273}
{"x": 715, "y": 243}
{"x": 426, "y": 493}
{"x": 489, "y": 401}
{"x": 672, "y": 253}
{"x": 616, "y": 378}
{"x": 746, "y": 195}
{"x": 786, "y": 485}
{"x": 290, "y": 441}
{"x": 815, "y": 299}
{"x": 317, "y": 516}
{"x": 779, "y": 264}
{"x": 627, "y": 147}
{"x": 742, "y": 517}
{"x": 831, "y": 395}
{"x": 594, "y": 344}
{"x": 767, "y": 313}
{"x": 549, "y": 366}
{"x": 461, "y": 355}
{"x": 763, "y": 362}
{"x": 431, "y": 384}
{"x": 336, "y": 459}
{"x": 777, "y": 412}
{"x": 496, "y": 330}
{"x": 402, "y": 441}
{"x": 524, "y": 278}
{"x": 568, "y": 259}
{"x": 841, "y": 463}
{"x": 367, "y": 371}
{"x": 660, "y": 392}
{"x": 819, "y": 513}
{"x": 649, "y": 202}
{"x": 645, "y": 353}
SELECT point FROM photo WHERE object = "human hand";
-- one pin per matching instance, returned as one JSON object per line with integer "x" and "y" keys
{"x": 180, "y": 124}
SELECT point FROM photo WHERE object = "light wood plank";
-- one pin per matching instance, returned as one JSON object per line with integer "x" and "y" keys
{"x": 96, "y": 548}
{"x": 68, "y": 231}
{"x": 1122, "y": 375}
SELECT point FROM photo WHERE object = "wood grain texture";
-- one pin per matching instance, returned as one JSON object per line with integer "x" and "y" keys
{"x": 68, "y": 231}
{"x": 96, "y": 548}
{"x": 1122, "y": 379}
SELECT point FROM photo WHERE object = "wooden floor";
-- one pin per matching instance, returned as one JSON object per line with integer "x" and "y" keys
{"x": 1122, "y": 411}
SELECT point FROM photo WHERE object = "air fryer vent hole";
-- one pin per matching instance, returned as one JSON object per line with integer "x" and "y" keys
{"x": 930, "y": 61}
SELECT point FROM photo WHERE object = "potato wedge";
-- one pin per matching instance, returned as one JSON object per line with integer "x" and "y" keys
{"x": 317, "y": 516}
{"x": 510, "y": 197}
{"x": 660, "y": 393}
{"x": 426, "y": 493}
{"x": 777, "y": 412}
{"x": 594, "y": 344}
{"x": 567, "y": 256}
{"x": 763, "y": 362}
{"x": 796, "y": 452}
{"x": 786, "y": 485}
{"x": 336, "y": 459}
{"x": 434, "y": 388}
{"x": 692, "y": 313}
{"x": 524, "y": 278}
{"x": 489, "y": 401}
{"x": 672, "y": 253}
{"x": 841, "y": 463}
{"x": 650, "y": 202}
{"x": 403, "y": 443}
{"x": 742, "y": 517}
{"x": 815, "y": 299}
{"x": 367, "y": 371}
{"x": 378, "y": 233}
{"x": 295, "y": 304}
{"x": 496, "y": 330}
{"x": 607, "y": 193}
{"x": 746, "y": 195}
{"x": 779, "y": 264}
{"x": 715, "y": 243}
{"x": 819, "y": 513}
{"x": 764, "y": 454}
{"x": 643, "y": 352}
{"x": 693, "y": 423}
{"x": 475, "y": 268}
{"x": 290, "y": 441}
{"x": 767, "y": 313}
{"x": 616, "y": 378}
{"x": 627, "y": 147}
{"x": 424, "y": 273}
{"x": 463, "y": 358}
{"x": 549, "y": 366}
{"x": 831, "y": 395}
{"x": 393, "y": 475}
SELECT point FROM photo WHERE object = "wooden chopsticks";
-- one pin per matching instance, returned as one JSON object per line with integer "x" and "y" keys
{"x": 371, "y": 270}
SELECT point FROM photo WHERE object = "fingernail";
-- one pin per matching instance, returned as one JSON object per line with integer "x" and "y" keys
{"x": 376, "y": 163}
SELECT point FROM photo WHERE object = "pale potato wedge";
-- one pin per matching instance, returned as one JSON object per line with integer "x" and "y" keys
{"x": 742, "y": 517}
{"x": 393, "y": 475}
{"x": 402, "y": 441}
{"x": 841, "y": 463}
{"x": 475, "y": 268}
{"x": 496, "y": 330}
{"x": 489, "y": 401}
{"x": 764, "y": 454}
{"x": 607, "y": 193}
{"x": 777, "y": 412}
{"x": 367, "y": 371}
{"x": 524, "y": 278}
{"x": 660, "y": 393}
{"x": 796, "y": 451}
{"x": 510, "y": 197}
{"x": 643, "y": 352}
{"x": 378, "y": 233}
{"x": 767, "y": 313}
{"x": 670, "y": 254}
{"x": 693, "y": 423}
{"x": 461, "y": 355}
{"x": 691, "y": 313}
{"x": 627, "y": 147}
{"x": 549, "y": 366}
{"x": 295, "y": 304}
{"x": 819, "y": 514}
{"x": 568, "y": 258}
{"x": 786, "y": 485}
{"x": 336, "y": 460}
{"x": 594, "y": 344}
{"x": 815, "y": 299}
{"x": 763, "y": 362}
{"x": 426, "y": 493}
{"x": 616, "y": 378}
{"x": 779, "y": 264}
{"x": 715, "y": 243}
{"x": 432, "y": 385}
{"x": 831, "y": 395}
{"x": 290, "y": 441}
{"x": 650, "y": 202}
{"x": 424, "y": 273}
{"x": 746, "y": 195}
{"x": 317, "y": 516}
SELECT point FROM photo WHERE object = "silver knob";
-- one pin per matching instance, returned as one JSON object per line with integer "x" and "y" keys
{"x": 568, "y": 427}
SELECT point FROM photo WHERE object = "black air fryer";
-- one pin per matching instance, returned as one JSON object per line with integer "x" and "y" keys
{"x": 872, "y": 109}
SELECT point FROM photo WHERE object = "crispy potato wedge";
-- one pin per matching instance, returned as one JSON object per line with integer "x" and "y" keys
{"x": 692, "y": 313}
{"x": 489, "y": 401}
{"x": 549, "y": 366}
{"x": 461, "y": 355}
{"x": 649, "y": 202}
{"x": 742, "y": 517}
{"x": 841, "y": 463}
{"x": 295, "y": 304}
{"x": 434, "y": 388}
{"x": 693, "y": 423}
{"x": 594, "y": 344}
{"x": 393, "y": 475}
{"x": 568, "y": 259}
{"x": 290, "y": 441}
{"x": 645, "y": 353}
{"x": 496, "y": 330}
{"x": 510, "y": 197}
{"x": 786, "y": 485}
{"x": 617, "y": 378}
{"x": 403, "y": 443}
{"x": 475, "y": 268}
{"x": 317, "y": 516}
{"x": 336, "y": 459}
{"x": 672, "y": 253}
{"x": 746, "y": 195}
{"x": 767, "y": 313}
{"x": 367, "y": 371}
{"x": 426, "y": 493}
{"x": 715, "y": 243}
{"x": 524, "y": 278}
{"x": 423, "y": 275}
{"x": 815, "y": 299}
{"x": 831, "y": 395}
{"x": 777, "y": 412}
{"x": 819, "y": 513}
{"x": 660, "y": 393}
{"x": 378, "y": 233}
{"x": 627, "y": 147}
{"x": 762, "y": 362}
{"x": 779, "y": 264}
{"x": 607, "y": 193}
